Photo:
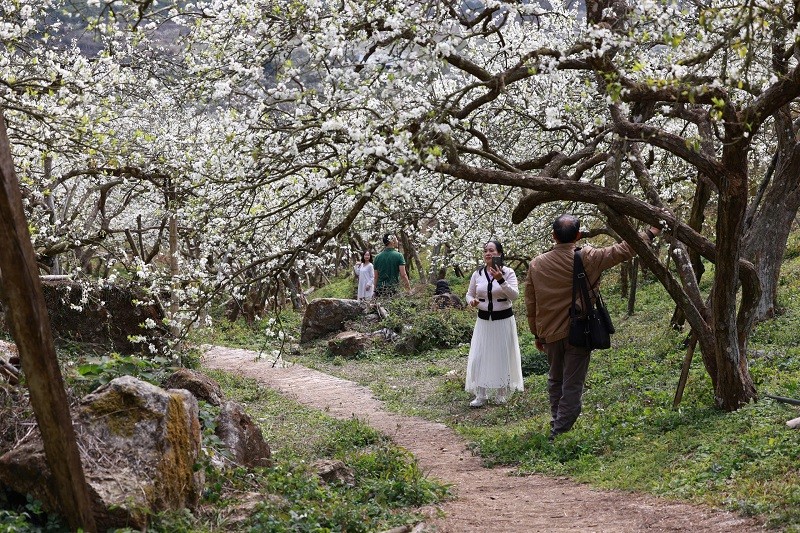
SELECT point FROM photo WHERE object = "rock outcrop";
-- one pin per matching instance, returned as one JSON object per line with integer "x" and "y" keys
{"x": 327, "y": 315}
{"x": 139, "y": 445}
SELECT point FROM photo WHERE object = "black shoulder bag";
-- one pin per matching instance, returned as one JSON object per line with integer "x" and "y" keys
{"x": 593, "y": 328}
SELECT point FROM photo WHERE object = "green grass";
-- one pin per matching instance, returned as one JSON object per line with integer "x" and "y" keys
{"x": 628, "y": 437}
{"x": 260, "y": 335}
{"x": 388, "y": 484}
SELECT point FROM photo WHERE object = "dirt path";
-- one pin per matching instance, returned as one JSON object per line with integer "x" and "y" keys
{"x": 487, "y": 499}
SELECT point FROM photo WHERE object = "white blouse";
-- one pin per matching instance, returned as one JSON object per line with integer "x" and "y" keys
{"x": 503, "y": 296}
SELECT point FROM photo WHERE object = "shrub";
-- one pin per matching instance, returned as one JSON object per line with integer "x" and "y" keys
{"x": 534, "y": 362}
{"x": 426, "y": 330}
{"x": 97, "y": 371}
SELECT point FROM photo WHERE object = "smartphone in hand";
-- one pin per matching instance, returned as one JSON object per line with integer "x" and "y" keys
{"x": 497, "y": 262}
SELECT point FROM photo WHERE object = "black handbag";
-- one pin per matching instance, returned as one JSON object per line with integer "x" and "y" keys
{"x": 593, "y": 328}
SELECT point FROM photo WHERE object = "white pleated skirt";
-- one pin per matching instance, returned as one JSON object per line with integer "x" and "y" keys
{"x": 494, "y": 361}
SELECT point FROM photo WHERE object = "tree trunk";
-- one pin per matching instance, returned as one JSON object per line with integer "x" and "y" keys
{"x": 411, "y": 256}
{"x": 771, "y": 216}
{"x": 55, "y": 264}
{"x": 360, "y": 243}
{"x": 733, "y": 386}
{"x": 448, "y": 255}
{"x": 625, "y": 272}
{"x": 634, "y": 283}
{"x": 436, "y": 252}
{"x": 697, "y": 216}
{"x": 174, "y": 271}
{"x": 765, "y": 245}
{"x": 716, "y": 329}
{"x": 293, "y": 291}
{"x": 30, "y": 327}
{"x": 442, "y": 252}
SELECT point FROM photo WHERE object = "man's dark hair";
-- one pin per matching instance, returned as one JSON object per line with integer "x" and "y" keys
{"x": 386, "y": 238}
{"x": 566, "y": 228}
{"x": 442, "y": 287}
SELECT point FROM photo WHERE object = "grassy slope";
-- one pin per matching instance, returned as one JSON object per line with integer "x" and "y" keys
{"x": 628, "y": 436}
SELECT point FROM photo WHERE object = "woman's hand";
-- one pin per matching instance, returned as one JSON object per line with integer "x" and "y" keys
{"x": 497, "y": 273}
{"x": 473, "y": 303}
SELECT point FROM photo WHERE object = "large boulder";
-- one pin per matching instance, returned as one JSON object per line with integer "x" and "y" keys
{"x": 234, "y": 427}
{"x": 201, "y": 386}
{"x": 242, "y": 436}
{"x": 110, "y": 315}
{"x": 349, "y": 344}
{"x": 138, "y": 443}
{"x": 326, "y": 315}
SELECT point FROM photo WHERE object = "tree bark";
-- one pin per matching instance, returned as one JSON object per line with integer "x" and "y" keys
{"x": 733, "y": 386}
{"x": 434, "y": 274}
{"x": 697, "y": 217}
{"x": 625, "y": 273}
{"x": 770, "y": 218}
{"x": 634, "y": 277}
{"x": 30, "y": 327}
{"x": 412, "y": 258}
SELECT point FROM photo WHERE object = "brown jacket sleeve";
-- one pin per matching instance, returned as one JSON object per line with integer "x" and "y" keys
{"x": 530, "y": 300}
{"x": 596, "y": 260}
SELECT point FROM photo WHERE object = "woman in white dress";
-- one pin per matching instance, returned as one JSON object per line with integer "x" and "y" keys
{"x": 494, "y": 367}
{"x": 366, "y": 276}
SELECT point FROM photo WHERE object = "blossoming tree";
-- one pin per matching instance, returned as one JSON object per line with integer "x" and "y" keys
{"x": 210, "y": 145}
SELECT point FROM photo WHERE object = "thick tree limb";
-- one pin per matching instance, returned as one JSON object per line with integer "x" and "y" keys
{"x": 596, "y": 194}
{"x": 670, "y": 142}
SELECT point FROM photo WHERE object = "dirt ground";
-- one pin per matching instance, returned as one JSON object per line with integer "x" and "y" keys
{"x": 486, "y": 499}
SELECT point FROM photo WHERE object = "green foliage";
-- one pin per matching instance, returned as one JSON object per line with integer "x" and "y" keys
{"x": 26, "y": 517}
{"x": 390, "y": 476}
{"x": 341, "y": 286}
{"x": 349, "y": 434}
{"x": 792, "y": 247}
{"x": 265, "y": 334}
{"x": 212, "y": 447}
{"x": 182, "y": 521}
{"x": 290, "y": 496}
{"x": 628, "y": 436}
{"x": 422, "y": 329}
{"x": 97, "y": 371}
{"x": 533, "y": 361}
{"x": 386, "y": 478}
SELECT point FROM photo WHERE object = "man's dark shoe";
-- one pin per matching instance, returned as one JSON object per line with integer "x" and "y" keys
{"x": 555, "y": 433}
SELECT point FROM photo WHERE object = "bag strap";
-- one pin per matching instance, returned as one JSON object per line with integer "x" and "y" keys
{"x": 579, "y": 282}
{"x": 577, "y": 266}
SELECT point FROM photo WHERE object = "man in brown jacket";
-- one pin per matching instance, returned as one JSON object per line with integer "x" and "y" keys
{"x": 548, "y": 296}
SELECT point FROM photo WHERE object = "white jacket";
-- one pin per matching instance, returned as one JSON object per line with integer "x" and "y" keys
{"x": 503, "y": 295}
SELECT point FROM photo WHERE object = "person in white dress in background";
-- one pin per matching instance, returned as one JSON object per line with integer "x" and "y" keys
{"x": 366, "y": 277}
{"x": 494, "y": 366}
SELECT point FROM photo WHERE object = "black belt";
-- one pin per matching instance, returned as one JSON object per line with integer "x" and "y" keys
{"x": 496, "y": 315}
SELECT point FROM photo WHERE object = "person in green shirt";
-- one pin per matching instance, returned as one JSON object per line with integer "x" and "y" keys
{"x": 390, "y": 268}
